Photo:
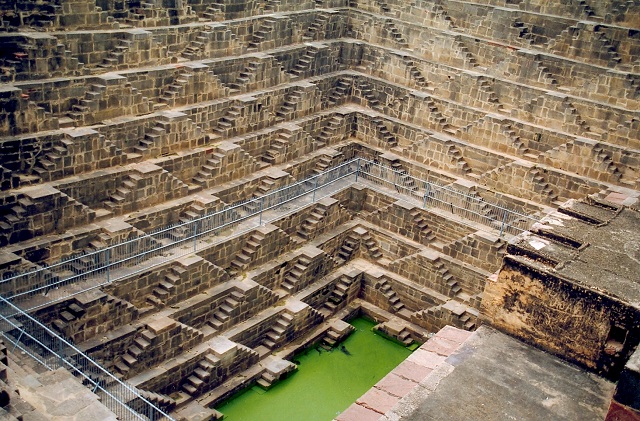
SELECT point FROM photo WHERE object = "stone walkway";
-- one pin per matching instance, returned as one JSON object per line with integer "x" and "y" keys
{"x": 484, "y": 375}
{"x": 422, "y": 367}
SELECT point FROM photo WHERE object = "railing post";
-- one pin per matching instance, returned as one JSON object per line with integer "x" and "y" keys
{"x": 504, "y": 219}
{"x": 427, "y": 190}
{"x": 358, "y": 170}
{"x": 18, "y": 340}
{"x": 315, "y": 187}
{"x": 107, "y": 259}
{"x": 261, "y": 205}
{"x": 60, "y": 353}
{"x": 195, "y": 233}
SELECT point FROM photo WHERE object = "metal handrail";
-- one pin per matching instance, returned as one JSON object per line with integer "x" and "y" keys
{"x": 67, "y": 355}
{"x": 99, "y": 264}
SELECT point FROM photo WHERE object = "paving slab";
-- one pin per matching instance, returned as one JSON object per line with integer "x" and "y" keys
{"x": 496, "y": 377}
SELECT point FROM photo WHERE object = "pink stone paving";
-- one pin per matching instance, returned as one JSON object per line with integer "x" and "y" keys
{"x": 358, "y": 413}
{"x": 412, "y": 371}
{"x": 453, "y": 334}
{"x": 415, "y": 369}
{"x": 378, "y": 400}
{"x": 395, "y": 385}
{"x": 426, "y": 359}
{"x": 441, "y": 346}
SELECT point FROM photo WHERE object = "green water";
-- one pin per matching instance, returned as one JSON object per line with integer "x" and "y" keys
{"x": 325, "y": 384}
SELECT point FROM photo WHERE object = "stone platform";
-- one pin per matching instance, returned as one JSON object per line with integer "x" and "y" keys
{"x": 485, "y": 375}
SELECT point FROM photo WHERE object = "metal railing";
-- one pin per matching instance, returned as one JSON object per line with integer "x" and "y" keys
{"x": 121, "y": 260}
{"x": 433, "y": 195}
{"x": 144, "y": 252}
{"x": 138, "y": 254}
{"x": 52, "y": 351}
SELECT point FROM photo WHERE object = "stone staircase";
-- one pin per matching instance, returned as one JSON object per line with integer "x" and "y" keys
{"x": 544, "y": 75}
{"x": 368, "y": 95}
{"x": 227, "y": 124}
{"x": 174, "y": 94}
{"x": 395, "y": 33}
{"x": 275, "y": 370}
{"x": 309, "y": 226}
{"x": 426, "y": 236}
{"x": 338, "y": 296}
{"x": 224, "y": 313}
{"x": 452, "y": 288}
{"x": 402, "y": 177}
{"x": 337, "y": 332}
{"x": 339, "y": 92}
{"x": 372, "y": 246}
{"x": 276, "y": 336}
{"x": 350, "y": 244}
{"x": 262, "y": 34}
{"x": 453, "y": 152}
{"x": 540, "y": 185}
{"x": 304, "y": 63}
{"x": 316, "y": 29}
{"x": 90, "y": 260}
{"x": 395, "y": 305}
{"x": 196, "y": 48}
{"x": 524, "y": 33}
{"x": 467, "y": 320}
{"x": 322, "y": 164}
{"x": 22, "y": 213}
{"x": 266, "y": 185}
{"x": 214, "y": 13}
{"x": 415, "y": 73}
{"x": 488, "y": 94}
{"x": 271, "y": 6}
{"x": 165, "y": 187}
{"x": 164, "y": 402}
{"x": 329, "y": 131}
{"x": 69, "y": 314}
{"x": 116, "y": 57}
{"x": 164, "y": 289}
{"x": 276, "y": 153}
{"x": 195, "y": 383}
{"x": 384, "y": 7}
{"x": 515, "y": 140}
{"x": 384, "y": 133}
{"x": 88, "y": 104}
{"x": 605, "y": 164}
{"x": 291, "y": 103}
{"x": 51, "y": 160}
{"x": 212, "y": 166}
{"x": 463, "y": 52}
{"x": 397, "y": 329}
{"x": 152, "y": 138}
{"x": 244, "y": 77}
{"x": 248, "y": 251}
{"x": 140, "y": 344}
{"x": 439, "y": 120}
{"x": 184, "y": 229}
{"x": 293, "y": 280}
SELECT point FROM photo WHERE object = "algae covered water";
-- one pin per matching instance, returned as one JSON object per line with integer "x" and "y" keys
{"x": 325, "y": 384}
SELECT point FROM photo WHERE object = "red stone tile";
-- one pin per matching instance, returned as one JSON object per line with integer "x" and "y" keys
{"x": 412, "y": 371}
{"x": 378, "y": 400}
{"x": 440, "y": 346}
{"x": 453, "y": 334}
{"x": 619, "y": 412}
{"x": 358, "y": 413}
{"x": 395, "y": 385}
{"x": 426, "y": 359}
{"x": 615, "y": 197}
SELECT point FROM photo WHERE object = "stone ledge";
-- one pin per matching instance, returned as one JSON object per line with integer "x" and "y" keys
{"x": 415, "y": 371}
